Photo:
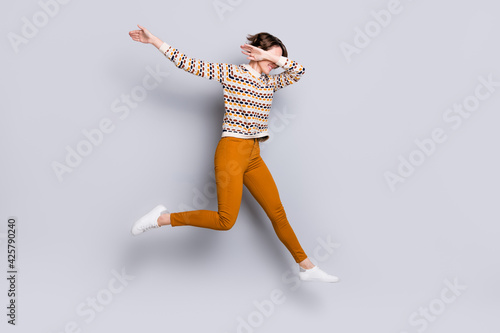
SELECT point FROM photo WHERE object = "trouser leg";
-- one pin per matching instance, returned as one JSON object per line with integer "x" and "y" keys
{"x": 230, "y": 160}
{"x": 260, "y": 183}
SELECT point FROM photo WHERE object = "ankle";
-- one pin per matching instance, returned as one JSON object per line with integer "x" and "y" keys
{"x": 306, "y": 264}
{"x": 306, "y": 267}
{"x": 164, "y": 219}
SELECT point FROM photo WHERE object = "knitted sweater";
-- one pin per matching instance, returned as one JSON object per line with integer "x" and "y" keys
{"x": 248, "y": 95}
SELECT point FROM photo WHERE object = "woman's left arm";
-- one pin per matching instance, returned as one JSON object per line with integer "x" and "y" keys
{"x": 293, "y": 72}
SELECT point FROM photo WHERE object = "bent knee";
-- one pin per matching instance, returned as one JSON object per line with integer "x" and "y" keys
{"x": 226, "y": 223}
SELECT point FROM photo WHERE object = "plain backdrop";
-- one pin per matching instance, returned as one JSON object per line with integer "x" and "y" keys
{"x": 420, "y": 256}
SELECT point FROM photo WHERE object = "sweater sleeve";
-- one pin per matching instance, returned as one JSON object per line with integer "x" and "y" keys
{"x": 209, "y": 70}
{"x": 293, "y": 72}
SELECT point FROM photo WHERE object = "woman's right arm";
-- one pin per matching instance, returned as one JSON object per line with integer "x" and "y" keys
{"x": 211, "y": 71}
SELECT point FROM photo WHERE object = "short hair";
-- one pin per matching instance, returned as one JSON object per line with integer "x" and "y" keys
{"x": 265, "y": 41}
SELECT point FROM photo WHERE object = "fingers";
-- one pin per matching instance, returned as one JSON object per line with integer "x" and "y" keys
{"x": 136, "y": 35}
{"x": 245, "y": 52}
{"x": 252, "y": 48}
{"x": 143, "y": 29}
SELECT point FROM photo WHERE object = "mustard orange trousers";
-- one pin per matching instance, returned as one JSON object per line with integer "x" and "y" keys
{"x": 237, "y": 162}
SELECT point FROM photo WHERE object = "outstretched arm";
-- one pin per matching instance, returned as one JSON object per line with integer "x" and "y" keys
{"x": 211, "y": 71}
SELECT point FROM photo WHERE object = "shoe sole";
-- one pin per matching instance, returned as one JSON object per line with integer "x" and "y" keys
{"x": 317, "y": 280}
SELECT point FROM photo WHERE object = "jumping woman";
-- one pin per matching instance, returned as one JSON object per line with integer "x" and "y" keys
{"x": 248, "y": 94}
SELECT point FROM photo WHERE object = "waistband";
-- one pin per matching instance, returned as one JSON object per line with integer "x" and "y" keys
{"x": 242, "y": 139}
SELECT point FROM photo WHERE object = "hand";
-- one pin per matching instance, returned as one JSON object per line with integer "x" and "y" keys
{"x": 143, "y": 35}
{"x": 254, "y": 53}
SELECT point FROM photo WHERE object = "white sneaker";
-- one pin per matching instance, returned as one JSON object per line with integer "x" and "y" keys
{"x": 316, "y": 274}
{"x": 148, "y": 221}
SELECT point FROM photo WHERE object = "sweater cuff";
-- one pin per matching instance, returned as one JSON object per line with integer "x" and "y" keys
{"x": 163, "y": 48}
{"x": 281, "y": 61}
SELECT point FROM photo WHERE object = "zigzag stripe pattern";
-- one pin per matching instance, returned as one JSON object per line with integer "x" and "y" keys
{"x": 247, "y": 98}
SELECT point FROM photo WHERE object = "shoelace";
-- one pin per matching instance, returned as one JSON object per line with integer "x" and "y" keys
{"x": 147, "y": 227}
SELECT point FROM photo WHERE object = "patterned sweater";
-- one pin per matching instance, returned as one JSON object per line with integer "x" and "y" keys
{"x": 248, "y": 95}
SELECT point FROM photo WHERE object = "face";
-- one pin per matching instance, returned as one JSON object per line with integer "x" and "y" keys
{"x": 267, "y": 66}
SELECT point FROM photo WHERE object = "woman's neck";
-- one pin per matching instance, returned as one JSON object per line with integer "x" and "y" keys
{"x": 255, "y": 65}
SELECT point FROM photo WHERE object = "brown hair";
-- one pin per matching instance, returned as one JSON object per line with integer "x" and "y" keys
{"x": 265, "y": 41}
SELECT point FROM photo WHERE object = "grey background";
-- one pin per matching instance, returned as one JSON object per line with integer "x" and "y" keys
{"x": 394, "y": 249}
